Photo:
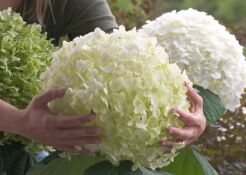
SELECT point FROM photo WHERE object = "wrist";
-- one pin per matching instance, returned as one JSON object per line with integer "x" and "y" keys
{"x": 9, "y": 117}
{"x": 15, "y": 122}
{"x": 18, "y": 122}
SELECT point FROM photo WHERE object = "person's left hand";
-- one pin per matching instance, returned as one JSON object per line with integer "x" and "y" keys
{"x": 195, "y": 121}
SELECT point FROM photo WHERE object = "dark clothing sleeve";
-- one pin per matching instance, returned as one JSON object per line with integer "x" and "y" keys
{"x": 77, "y": 17}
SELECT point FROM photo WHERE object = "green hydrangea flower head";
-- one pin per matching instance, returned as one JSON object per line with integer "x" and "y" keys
{"x": 25, "y": 52}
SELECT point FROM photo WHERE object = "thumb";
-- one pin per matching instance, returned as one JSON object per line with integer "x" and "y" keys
{"x": 194, "y": 97}
{"x": 44, "y": 98}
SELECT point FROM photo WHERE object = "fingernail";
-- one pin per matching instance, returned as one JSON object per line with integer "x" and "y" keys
{"x": 197, "y": 91}
{"x": 171, "y": 110}
{"x": 78, "y": 147}
{"x": 175, "y": 114}
{"x": 186, "y": 83}
{"x": 164, "y": 143}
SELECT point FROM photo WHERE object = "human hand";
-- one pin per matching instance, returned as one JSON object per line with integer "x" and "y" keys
{"x": 195, "y": 121}
{"x": 61, "y": 132}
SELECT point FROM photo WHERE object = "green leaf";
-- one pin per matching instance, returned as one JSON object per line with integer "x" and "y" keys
{"x": 14, "y": 160}
{"x": 103, "y": 167}
{"x": 125, "y": 5}
{"x": 62, "y": 166}
{"x": 213, "y": 107}
{"x": 106, "y": 168}
{"x": 190, "y": 162}
{"x": 87, "y": 165}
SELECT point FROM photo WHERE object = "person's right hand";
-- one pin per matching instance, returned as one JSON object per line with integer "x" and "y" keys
{"x": 61, "y": 132}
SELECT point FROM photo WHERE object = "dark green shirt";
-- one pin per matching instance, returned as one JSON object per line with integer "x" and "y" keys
{"x": 77, "y": 17}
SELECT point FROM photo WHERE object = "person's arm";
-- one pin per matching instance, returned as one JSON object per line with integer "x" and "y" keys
{"x": 195, "y": 120}
{"x": 39, "y": 123}
{"x": 9, "y": 117}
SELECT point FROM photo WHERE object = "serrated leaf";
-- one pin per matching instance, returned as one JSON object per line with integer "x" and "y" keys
{"x": 212, "y": 105}
{"x": 190, "y": 162}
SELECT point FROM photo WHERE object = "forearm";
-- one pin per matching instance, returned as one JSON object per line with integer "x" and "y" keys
{"x": 9, "y": 117}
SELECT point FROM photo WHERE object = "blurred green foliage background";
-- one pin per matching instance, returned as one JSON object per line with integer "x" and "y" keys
{"x": 224, "y": 143}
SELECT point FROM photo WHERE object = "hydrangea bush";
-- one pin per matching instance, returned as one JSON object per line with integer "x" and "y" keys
{"x": 24, "y": 53}
{"x": 211, "y": 56}
{"x": 126, "y": 80}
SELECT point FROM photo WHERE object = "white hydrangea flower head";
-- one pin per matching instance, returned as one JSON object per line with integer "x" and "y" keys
{"x": 125, "y": 78}
{"x": 211, "y": 56}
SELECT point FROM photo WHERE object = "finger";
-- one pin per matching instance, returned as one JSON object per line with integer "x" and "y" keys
{"x": 192, "y": 107}
{"x": 191, "y": 101}
{"x": 168, "y": 143}
{"x": 189, "y": 119}
{"x": 194, "y": 97}
{"x": 186, "y": 117}
{"x": 70, "y": 122}
{"x": 52, "y": 94}
{"x": 79, "y": 132}
{"x": 84, "y": 150}
{"x": 183, "y": 134}
{"x": 172, "y": 143}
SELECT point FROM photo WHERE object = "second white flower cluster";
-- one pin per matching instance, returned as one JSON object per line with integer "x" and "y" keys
{"x": 210, "y": 55}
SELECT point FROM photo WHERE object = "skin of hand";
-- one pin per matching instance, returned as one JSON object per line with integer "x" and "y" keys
{"x": 195, "y": 120}
{"x": 62, "y": 132}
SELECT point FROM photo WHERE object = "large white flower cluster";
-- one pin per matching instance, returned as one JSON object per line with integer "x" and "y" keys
{"x": 211, "y": 56}
{"x": 127, "y": 81}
